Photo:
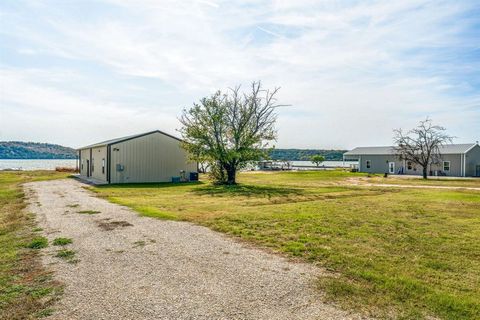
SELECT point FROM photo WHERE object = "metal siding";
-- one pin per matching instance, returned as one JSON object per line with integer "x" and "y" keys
{"x": 151, "y": 158}
{"x": 379, "y": 163}
{"x": 455, "y": 165}
{"x": 84, "y": 155}
{"x": 472, "y": 160}
{"x": 98, "y": 154}
{"x": 109, "y": 163}
{"x": 416, "y": 169}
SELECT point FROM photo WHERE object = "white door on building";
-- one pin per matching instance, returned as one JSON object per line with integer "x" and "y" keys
{"x": 391, "y": 167}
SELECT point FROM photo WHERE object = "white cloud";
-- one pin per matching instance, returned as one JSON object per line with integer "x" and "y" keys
{"x": 352, "y": 72}
{"x": 69, "y": 119}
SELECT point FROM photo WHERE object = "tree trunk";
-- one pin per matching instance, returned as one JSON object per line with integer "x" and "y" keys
{"x": 231, "y": 174}
{"x": 425, "y": 172}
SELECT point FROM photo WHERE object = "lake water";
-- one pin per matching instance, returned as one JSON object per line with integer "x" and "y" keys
{"x": 51, "y": 164}
{"x": 305, "y": 165}
{"x": 36, "y": 164}
{"x": 345, "y": 164}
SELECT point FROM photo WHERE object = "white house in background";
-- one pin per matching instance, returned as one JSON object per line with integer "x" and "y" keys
{"x": 458, "y": 160}
{"x": 148, "y": 157}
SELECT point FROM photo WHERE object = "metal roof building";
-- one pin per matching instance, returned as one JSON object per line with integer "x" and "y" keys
{"x": 153, "y": 156}
{"x": 460, "y": 160}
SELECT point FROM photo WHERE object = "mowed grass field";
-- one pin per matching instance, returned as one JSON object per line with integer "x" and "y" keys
{"x": 26, "y": 290}
{"x": 391, "y": 252}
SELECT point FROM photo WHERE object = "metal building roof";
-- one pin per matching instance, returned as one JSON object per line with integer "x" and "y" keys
{"x": 446, "y": 149}
{"x": 117, "y": 140}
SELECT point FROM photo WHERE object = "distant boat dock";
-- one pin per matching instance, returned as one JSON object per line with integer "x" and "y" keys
{"x": 304, "y": 165}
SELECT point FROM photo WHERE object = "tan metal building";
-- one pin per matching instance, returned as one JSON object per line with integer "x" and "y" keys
{"x": 148, "y": 157}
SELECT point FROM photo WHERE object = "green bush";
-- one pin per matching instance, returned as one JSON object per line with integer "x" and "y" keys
{"x": 62, "y": 241}
{"x": 38, "y": 243}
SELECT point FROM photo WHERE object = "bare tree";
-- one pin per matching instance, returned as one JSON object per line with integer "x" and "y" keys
{"x": 229, "y": 130}
{"x": 421, "y": 145}
{"x": 203, "y": 166}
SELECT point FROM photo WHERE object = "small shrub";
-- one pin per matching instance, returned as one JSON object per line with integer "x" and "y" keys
{"x": 38, "y": 243}
{"x": 62, "y": 241}
{"x": 139, "y": 243}
{"x": 44, "y": 313}
{"x": 65, "y": 254}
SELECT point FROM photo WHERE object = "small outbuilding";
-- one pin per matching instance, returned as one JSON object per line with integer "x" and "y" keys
{"x": 148, "y": 157}
{"x": 457, "y": 160}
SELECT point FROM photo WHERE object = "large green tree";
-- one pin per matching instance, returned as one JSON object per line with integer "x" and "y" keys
{"x": 317, "y": 159}
{"x": 231, "y": 129}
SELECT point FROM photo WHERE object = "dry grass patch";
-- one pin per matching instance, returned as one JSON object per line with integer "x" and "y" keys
{"x": 106, "y": 225}
{"x": 65, "y": 254}
{"x": 139, "y": 243}
{"x": 89, "y": 212}
{"x": 25, "y": 288}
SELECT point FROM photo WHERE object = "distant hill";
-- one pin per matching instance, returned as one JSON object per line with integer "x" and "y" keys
{"x": 305, "y": 154}
{"x": 33, "y": 150}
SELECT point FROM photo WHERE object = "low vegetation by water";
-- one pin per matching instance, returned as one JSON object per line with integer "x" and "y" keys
{"x": 392, "y": 252}
{"x": 26, "y": 290}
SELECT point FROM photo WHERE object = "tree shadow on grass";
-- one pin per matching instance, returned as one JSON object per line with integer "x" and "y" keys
{"x": 151, "y": 185}
{"x": 245, "y": 190}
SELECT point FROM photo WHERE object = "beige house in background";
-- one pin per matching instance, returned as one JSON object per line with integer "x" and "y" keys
{"x": 457, "y": 160}
{"x": 148, "y": 157}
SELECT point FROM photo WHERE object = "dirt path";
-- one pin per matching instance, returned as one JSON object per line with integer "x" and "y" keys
{"x": 418, "y": 186}
{"x": 355, "y": 182}
{"x": 132, "y": 267}
{"x": 409, "y": 186}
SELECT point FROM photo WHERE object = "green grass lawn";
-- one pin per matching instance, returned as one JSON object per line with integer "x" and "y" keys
{"x": 25, "y": 289}
{"x": 395, "y": 253}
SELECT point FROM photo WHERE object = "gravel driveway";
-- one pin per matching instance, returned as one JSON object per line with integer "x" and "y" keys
{"x": 131, "y": 267}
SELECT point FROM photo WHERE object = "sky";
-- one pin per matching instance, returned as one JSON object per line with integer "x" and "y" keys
{"x": 78, "y": 72}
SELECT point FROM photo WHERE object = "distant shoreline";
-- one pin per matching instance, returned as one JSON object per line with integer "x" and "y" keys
{"x": 19, "y": 150}
{"x": 36, "y": 164}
